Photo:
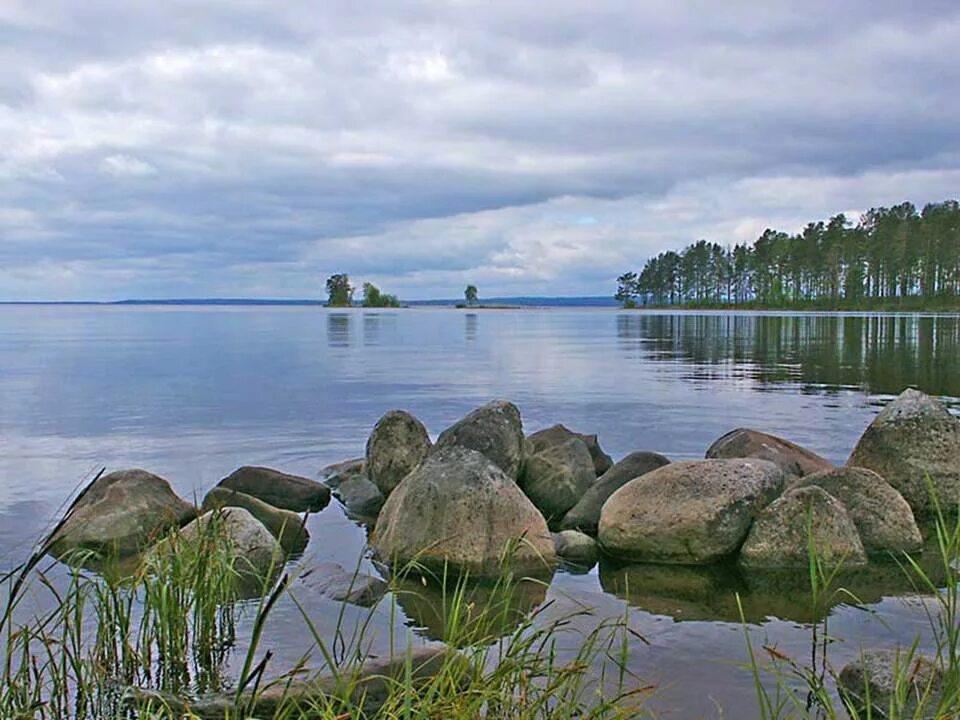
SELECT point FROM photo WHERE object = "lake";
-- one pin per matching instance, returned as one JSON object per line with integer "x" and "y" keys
{"x": 191, "y": 393}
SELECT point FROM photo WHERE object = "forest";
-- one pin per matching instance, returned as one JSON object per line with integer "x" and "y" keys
{"x": 891, "y": 258}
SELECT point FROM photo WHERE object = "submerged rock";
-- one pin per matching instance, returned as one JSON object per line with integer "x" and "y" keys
{"x": 914, "y": 438}
{"x": 286, "y": 526}
{"x": 459, "y": 508}
{"x": 495, "y": 431}
{"x": 289, "y": 492}
{"x": 120, "y": 514}
{"x": 367, "y": 685}
{"x": 871, "y": 684}
{"x": 556, "y": 477}
{"x": 883, "y": 518}
{"x": 559, "y": 434}
{"x": 337, "y": 583}
{"x": 690, "y": 512}
{"x": 585, "y": 515}
{"x": 398, "y": 444}
{"x": 790, "y": 457}
{"x": 575, "y": 547}
{"x": 781, "y": 535}
{"x": 352, "y": 488}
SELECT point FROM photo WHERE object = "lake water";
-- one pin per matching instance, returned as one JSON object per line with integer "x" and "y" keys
{"x": 191, "y": 393}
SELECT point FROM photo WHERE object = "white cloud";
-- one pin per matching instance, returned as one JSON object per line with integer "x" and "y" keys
{"x": 126, "y": 166}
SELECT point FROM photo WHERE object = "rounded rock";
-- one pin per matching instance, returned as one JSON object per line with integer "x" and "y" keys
{"x": 398, "y": 444}
{"x": 494, "y": 430}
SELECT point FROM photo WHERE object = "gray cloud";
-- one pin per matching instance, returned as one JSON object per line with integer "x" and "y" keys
{"x": 247, "y": 148}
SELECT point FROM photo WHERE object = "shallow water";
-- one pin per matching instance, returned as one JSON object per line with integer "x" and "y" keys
{"x": 192, "y": 393}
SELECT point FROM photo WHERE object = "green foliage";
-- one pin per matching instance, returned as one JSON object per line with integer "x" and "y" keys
{"x": 373, "y": 298}
{"x": 470, "y": 294}
{"x": 339, "y": 290}
{"x": 891, "y": 259}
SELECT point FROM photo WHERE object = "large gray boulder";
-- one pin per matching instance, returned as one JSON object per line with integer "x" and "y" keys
{"x": 352, "y": 488}
{"x": 494, "y": 430}
{"x": 399, "y": 443}
{"x": 883, "y": 518}
{"x": 459, "y": 508}
{"x": 781, "y": 535}
{"x": 557, "y": 477}
{"x": 585, "y": 515}
{"x": 881, "y": 680}
{"x": 790, "y": 457}
{"x": 120, "y": 514}
{"x": 279, "y": 489}
{"x": 688, "y": 513}
{"x": 913, "y": 438}
{"x": 339, "y": 584}
{"x": 576, "y": 548}
{"x": 286, "y": 526}
{"x": 559, "y": 434}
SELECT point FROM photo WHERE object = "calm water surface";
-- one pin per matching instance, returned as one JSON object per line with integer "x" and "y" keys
{"x": 192, "y": 393}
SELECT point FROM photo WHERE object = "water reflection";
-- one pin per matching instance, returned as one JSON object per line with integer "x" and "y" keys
{"x": 371, "y": 329}
{"x": 880, "y": 354}
{"x": 470, "y": 321}
{"x": 338, "y": 329}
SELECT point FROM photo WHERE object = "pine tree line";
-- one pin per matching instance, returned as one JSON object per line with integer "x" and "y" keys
{"x": 893, "y": 257}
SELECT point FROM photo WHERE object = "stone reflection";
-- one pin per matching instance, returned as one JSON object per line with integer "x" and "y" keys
{"x": 880, "y": 354}
{"x": 468, "y": 612}
{"x": 338, "y": 329}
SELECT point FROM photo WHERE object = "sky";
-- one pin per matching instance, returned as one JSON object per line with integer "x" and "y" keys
{"x": 231, "y": 148}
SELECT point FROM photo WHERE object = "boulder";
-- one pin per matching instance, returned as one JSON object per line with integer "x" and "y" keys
{"x": 780, "y": 537}
{"x": 352, "y": 488}
{"x": 585, "y": 515}
{"x": 398, "y": 444}
{"x": 575, "y": 547}
{"x": 870, "y": 684}
{"x": 791, "y": 458}
{"x": 361, "y": 688}
{"x": 494, "y": 430}
{"x": 558, "y": 434}
{"x": 459, "y": 508}
{"x": 689, "y": 513}
{"x": 120, "y": 514}
{"x": 256, "y": 555}
{"x": 289, "y": 492}
{"x": 883, "y": 518}
{"x": 286, "y": 526}
{"x": 335, "y": 582}
{"x": 913, "y": 438}
{"x": 557, "y": 477}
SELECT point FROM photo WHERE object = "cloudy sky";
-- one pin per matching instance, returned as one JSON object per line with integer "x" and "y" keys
{"x": 191, "y": 148}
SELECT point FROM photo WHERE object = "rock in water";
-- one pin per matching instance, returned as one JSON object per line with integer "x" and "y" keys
{"x": 914, "y": 437}
{"x": 791, "y": 458}
{"x": 883, "y": 518}
{"x": 333, "y": 475}
{"x": 120, "y": 514}
{"x": 575, "y": 547}
{"x": 559, "y": 434}
{"x": 289, "y": 492}
{"x": 871, "y": 682}
{"x": 337, "y": 583}
{"x": 352, "y": 488}
{"x": 557, "y": 477}
{"x": 398, "y": 444}
{"x": 458, "y": 507}
{"x": 585, "y": 515}
{"x": 256, "y": 554}
{"x": 781, "y": 535}
{"x": 689, "y": 513}
{"x": 286, "y": 526}
{"x": 494, "y": 430}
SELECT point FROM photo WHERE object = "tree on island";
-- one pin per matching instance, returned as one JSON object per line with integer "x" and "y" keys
{"x": 372, "y": 297}
{"x": 470, "y": 294}
{"x": 339, "y": 291}
{"x": 627, "y": 290}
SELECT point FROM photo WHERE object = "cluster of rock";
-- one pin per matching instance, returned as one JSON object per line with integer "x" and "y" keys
{"x": 484, "y": 494}
{"x": 485, "y": 497}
